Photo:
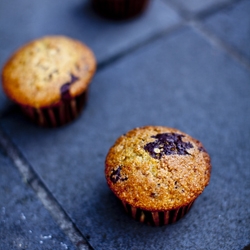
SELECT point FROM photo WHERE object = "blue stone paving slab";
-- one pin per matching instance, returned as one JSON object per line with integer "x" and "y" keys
{"x": 24, "y": 222}
{"x": 197, "y": 6}
{"x": 22, "y": 21}
{"x": 233, "y": 26}
{"x": 178, "y": 81}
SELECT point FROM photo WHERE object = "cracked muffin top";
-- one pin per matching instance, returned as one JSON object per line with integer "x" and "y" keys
{"x": 48, "y": 69}
{"x": 157, "y": 168}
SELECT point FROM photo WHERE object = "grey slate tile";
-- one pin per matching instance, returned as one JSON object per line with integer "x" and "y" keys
{"x": 24, "y": 222}
{"x": 233, "y": 26}
{"x": 24, "y": 21}
{"x": 178, "y": 81}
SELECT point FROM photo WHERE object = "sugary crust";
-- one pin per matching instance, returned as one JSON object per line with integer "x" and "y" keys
{"x": 154, "y": 184}
{"x": 34, "y": 75}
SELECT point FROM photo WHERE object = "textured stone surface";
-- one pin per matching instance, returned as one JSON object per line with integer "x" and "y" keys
{"x": 233, "y": 26}
{"x": 196, "y": 6}
{"x": 24, "y": 222}
{"x": 188, "y": 85}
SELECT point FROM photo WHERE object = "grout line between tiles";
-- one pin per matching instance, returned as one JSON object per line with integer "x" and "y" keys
{"x": 189, "y": 15}
{"x": 216, "y": 41}
{"x": 195, "y": 21}
{"x": 132, "y": 49}
{"x": 45, "y": 196}
{"x": 216, "y": 8}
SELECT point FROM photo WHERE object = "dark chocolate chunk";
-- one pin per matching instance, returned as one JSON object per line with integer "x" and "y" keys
{"x": 116, "y": 175}
{"x": 153, "y": 195}
{"x": 65, "y": 94}
{"x": 167, "y": 144}
{"x": 201, "y": 149}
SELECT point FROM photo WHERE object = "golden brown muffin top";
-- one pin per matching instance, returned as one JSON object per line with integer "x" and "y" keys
{"x": 157, "y": 168}
{"x": 47, "y": 69}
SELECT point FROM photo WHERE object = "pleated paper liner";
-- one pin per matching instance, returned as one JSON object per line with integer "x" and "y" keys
{"x": 56, "y": 115}
{"x": 119, "y": 9}
{"x": 158, "y": 218}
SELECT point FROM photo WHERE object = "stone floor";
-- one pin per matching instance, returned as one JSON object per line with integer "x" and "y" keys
{"x": 182, "y": 64}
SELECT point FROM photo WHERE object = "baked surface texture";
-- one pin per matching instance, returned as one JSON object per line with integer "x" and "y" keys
{"x": 42, "y": 71}
{"x": 157, "y": 168}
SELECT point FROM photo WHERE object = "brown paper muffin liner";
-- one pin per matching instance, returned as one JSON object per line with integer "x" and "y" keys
{"x": 157, "y": 218}
{"x": 119, "y": 9}
{"x": 56, "y": 115}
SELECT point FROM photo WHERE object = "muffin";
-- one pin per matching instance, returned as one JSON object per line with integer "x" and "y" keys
{"x": 49, "y": 78}
{"x": 119, "y": 9}
{"x": 157, "y": 173}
